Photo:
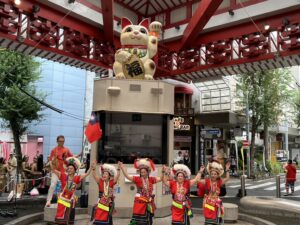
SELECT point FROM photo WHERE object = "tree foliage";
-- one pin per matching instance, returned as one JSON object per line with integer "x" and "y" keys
{"x": 267, "y": 94}
{"x": 297, "y": 108}
{"x": 18, "y": 72}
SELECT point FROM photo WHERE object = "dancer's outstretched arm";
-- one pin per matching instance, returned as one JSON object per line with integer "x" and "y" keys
{"x": 118, "y": 174}
{"x": 85, "y": 174}
{"x": 202, "y": 168}
{"x": 95, "y": 176}
{"x": 125, "y": 171}
{"x": 166, "y": 176}
{"x": 227, "y": 176}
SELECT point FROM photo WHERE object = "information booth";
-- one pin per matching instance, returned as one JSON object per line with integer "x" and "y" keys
{"x": 136, "y": 118}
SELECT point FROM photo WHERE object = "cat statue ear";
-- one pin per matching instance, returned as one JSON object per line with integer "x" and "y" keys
{"x": 145, "y": 23}
{"x": 125, "y": 22}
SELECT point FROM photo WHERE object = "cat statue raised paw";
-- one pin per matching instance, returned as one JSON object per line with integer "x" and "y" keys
{"x": 139, "y": 46}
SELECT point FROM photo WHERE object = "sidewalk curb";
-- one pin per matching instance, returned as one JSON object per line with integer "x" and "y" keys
{"x": 254, "y": 220}
{"x": 24, "y": 220}
{"x": 269, "y": 207}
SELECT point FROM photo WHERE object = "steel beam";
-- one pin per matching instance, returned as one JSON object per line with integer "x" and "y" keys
{"x": 108, "y": 19}
{"x": 204, "y": 12}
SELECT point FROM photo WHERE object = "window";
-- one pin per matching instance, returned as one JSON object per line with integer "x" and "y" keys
{"x": 127, "y": 136}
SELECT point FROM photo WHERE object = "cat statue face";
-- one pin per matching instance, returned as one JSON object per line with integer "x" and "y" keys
{"x": 139, "y": 45}
{"x": 134, "y": 34}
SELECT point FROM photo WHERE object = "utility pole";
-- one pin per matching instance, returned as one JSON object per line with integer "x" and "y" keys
{"x": 248, "y": 133}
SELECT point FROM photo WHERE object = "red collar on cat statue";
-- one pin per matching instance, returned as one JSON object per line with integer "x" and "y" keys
{"x": 135, "y": 46}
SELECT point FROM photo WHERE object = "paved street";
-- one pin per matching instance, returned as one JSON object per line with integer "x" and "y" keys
{"x": 266, "y": 187}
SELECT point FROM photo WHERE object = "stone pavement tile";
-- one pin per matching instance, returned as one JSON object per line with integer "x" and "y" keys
{"x": 196, "y": 220}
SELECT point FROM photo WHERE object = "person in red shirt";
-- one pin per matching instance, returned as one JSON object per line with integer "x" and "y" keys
{"x": 290, "y": 177}
{"x": 57, "y": 159}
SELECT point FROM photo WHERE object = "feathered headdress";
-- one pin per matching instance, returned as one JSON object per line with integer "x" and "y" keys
{"x": 108, "y": 168}
{"x": 144, "y": 163}
{"x": 181, "y": 168}
{"x": 73, "y": 162}
{"x": 215, "y": 166}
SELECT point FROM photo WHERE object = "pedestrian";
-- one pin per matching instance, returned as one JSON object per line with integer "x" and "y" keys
{"x": 12, "y": 172}
{"x": 180, "y": 189}
{"x": 102, "y": 213}
{"x": 212, "y": 205}
{"x": 296, "y": 158}
{"x": 57, "y": 159}
{"x": 143, "y": 207}
{"x": 233, "y": 165}
{"x": 290, "y": 177}
{"x": 3, "y": 172}
{"x": 186, "y": 158}
{"x": 179, "y": 158}
{"x": 65, "y": 213}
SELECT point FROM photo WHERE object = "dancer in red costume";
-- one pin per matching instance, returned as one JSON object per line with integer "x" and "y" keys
{"x": 105, "y": 206}
{"x": 66, "y": 199}
{"x": 144, "y": 207}
{"x": 180, "y": 189}
{"x": 212, "y": 205}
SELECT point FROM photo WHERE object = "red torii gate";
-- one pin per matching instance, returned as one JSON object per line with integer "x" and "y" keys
{"x": 245, "y": 47}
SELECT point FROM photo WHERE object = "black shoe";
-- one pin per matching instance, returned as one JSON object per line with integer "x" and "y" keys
{"x": 287, "y": 194}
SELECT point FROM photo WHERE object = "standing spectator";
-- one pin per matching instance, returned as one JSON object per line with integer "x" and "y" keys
{"x": 12, "y": 171}
{"x": 57, "y": 158}
{"x": 12, "y": 167}
{"x": 179, "y": 158}
{"x": 233, "y": 165}
{"x": 296, "y": 159}
{"x": 290, "y": 177}
{"x": 3, "y": 171}
{"x": 186, "y": 158}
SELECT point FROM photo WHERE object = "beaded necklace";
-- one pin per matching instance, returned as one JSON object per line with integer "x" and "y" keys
{"x": 71, "y": 185}
{"x": 146, "y": 186}
{"x": 106, "y": 188}
{"x": 180, "y": 192}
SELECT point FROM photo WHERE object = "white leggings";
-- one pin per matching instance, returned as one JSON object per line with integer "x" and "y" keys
{"x": 54, "y": 180}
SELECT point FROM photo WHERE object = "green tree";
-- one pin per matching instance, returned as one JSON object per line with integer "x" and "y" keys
{"x": 267, "y": 94}
{"x": 18, "y": 72}
{"x": 297, "y": 108}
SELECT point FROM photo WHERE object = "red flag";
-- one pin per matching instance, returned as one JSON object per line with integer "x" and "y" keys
{"x": 93, "y": 131}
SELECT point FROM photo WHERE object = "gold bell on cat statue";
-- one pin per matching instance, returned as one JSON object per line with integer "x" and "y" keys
{"x": 139, "y": 46}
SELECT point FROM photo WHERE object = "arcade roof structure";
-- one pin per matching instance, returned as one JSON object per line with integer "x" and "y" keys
{"x": 202, "y": 39}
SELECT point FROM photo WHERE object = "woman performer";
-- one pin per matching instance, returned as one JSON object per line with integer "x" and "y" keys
{"x": 105, "y": 207}
{"x": 65, "y": 213}
{"x": 180, "y": 189}
{"x": 143, "y": 207}
{"x": 212, "y": 205}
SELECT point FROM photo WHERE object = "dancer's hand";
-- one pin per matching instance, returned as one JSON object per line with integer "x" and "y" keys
{"x": 227, "y": 166}
{"x": 202, "y": 168}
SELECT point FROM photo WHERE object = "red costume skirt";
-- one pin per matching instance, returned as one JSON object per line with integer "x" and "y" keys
{"x": 65, "y": 213}
{"x": 143, "y": 211}
{"x": 103, "y": 213}
{"x": 213, "y": 211}
{"x": 180, "y": 213}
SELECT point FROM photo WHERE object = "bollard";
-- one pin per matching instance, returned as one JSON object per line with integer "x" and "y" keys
{"x": 243, "y": 191}
{"x": 277, "y": 186}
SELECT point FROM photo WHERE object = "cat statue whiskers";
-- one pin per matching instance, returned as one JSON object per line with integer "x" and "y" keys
{"x": 139, "y": 46}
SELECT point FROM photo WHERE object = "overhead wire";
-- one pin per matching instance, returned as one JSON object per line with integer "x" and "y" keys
{"x": 35, "y": 98}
